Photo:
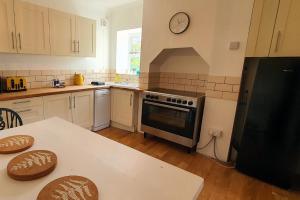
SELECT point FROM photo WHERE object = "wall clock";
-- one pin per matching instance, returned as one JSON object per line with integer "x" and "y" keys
{"x": 179, "y": 23}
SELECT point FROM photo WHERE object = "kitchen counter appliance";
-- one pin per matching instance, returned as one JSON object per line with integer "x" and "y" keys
{"x": 266, "y": 135}
{"x": 15, "y": 83}
{"x": 101, "y": 109}
{"x": 173, "y": 115}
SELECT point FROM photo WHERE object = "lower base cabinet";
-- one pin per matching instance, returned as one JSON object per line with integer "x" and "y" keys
{"x": 30, "y": 109}
{"x": 122, "y": 109}
{"x": 83, "y": 109}
{"x": 58, "y": 106}
{"x": 74, "y": 107}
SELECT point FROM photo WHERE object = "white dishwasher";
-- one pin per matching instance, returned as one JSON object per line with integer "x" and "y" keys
{"x": 101, "y": 109}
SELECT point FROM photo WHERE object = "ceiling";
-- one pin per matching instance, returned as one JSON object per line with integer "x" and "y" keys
{"x": 88, "y": 8}
{"x": 104, "y": 3}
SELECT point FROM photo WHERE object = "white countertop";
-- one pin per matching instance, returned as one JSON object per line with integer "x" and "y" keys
{"x": 118, "y": 171}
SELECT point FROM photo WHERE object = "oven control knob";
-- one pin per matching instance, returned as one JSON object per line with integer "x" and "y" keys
{"x": 184, "y": 102}
{"x": 190, "y": 103}
{"x": 179, "y": 100}
{"x": 148, "y": 96}
{"x": 169, "y": 99}
{"x": 152, "y": 97}
{"x": 174, "y": 100}
{"x": 156, "y": 97}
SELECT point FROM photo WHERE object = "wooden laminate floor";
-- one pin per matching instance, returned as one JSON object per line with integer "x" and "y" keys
{"x": 220, "y": 183}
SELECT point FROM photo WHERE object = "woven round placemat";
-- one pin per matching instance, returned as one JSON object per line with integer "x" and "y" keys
{"x": 32, "y": 165}
{"x": 16, "y": 143}
{"x": 69, "y": 188}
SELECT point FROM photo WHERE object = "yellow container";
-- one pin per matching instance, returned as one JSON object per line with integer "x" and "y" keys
{"x": 78, "y": 79}
{"x": 15, "y": 83}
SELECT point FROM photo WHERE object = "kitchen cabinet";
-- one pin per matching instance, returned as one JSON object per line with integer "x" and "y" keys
{"x": 122, "y": 108}
{"x": 86, "y": 37}
{"x": 73, "y": 107}
{"x": 58, "y": 106}
{"x": 82, "y": 112}
{"x": 7, "y": 27}
{"x": 32, "y": 28}
{"x": 274, "y": 30}
{"x": 286, "y": 38}
{"x": 72, "y": 35}
{"x": 261, "y": 28}
{"x": 62, "y": 33}
{"x": 29, "y": 109}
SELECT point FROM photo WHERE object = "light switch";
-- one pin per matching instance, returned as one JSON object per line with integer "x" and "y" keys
{"x": 234, "y": 45}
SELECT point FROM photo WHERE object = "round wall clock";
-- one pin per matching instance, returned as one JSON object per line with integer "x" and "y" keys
{"x": 179, "y": 23}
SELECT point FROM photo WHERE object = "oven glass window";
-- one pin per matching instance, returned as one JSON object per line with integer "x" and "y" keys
{"x": 169, "y": 118}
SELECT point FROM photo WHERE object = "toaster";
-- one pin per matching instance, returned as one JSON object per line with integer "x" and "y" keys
{"x": 15, "y": 83}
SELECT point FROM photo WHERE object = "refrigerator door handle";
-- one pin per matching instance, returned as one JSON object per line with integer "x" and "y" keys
{"x": 288, "y": 70}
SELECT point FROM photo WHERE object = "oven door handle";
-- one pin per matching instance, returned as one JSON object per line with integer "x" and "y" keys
{"x": 167, "y": 106}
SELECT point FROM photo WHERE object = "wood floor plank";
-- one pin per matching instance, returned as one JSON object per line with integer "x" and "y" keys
{"x": 220, "y": 183}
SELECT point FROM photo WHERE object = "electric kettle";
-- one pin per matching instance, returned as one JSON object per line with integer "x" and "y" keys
{"x": 78, "y": 79}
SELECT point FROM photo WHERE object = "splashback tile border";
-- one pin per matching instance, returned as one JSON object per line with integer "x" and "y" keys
{"x": 220, "y": 87}
{"x": 43, "y": 78}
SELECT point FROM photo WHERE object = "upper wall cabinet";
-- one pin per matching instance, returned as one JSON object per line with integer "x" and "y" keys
{"x": 274, "y": 30}
{"x": 86, "y": 36}
{"x": 62, "y": 33}
{"x": 7, "y": 27}
{"x": 72, "y": 35}
{"x": 286, "y": 40}
{"x": 32, "y": 28}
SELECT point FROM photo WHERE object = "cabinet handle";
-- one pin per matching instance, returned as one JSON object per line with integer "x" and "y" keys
{"x": 23, "y": 111}
{"x": 74, "y": 46}
{"x": 20, "y": 102}
{"x": 20, "y": 41}
{"x": 74, "y": 102}
{"x": 78, "y": 47}
{"x": 130, "y": 100}
{"x": 70, "y": 103}
{"x": 278, "y": 41}
{"x": 13, "y": 40}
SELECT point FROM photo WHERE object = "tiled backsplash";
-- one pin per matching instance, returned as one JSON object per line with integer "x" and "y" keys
{"x": 221, "y": 87}
{"x": 43, "y": 78}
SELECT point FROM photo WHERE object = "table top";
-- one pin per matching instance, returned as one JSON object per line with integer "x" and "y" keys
{"x": 119, "y": 172}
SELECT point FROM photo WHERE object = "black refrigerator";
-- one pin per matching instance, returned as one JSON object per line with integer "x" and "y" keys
{"x": 266, "y": 134}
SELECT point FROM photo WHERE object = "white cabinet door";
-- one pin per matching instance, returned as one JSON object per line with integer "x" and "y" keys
{"x": 82, "y": 108}
{"x": 122, "y": 107}
{"x": 31, "y": 114}
{"x": 58, "y": 106}
{"x": 86, "y": 37}
{"x": 286, "y": 37}
{"x": 62, "y": 33}
{"x": 30, "y": 109}
{"x": 32, "y": 28}
{"x": 7, "y": 27}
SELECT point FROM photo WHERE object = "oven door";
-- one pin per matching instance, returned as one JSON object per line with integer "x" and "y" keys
{"x": 179, "y": 120}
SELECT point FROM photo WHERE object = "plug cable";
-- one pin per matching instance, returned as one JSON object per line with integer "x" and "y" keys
{"x": 218, "y": 161}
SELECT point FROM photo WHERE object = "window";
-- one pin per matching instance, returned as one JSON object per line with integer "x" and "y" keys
{"x": 129, "y": 51}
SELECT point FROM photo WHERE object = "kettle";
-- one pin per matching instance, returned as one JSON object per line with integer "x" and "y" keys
{"x": 78, "y": 79}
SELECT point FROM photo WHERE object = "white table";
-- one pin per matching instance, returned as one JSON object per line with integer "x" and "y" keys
{"x": 118, "y": 171}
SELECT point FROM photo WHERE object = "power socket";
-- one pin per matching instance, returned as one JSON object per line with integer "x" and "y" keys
{"x": 215, "y": 132}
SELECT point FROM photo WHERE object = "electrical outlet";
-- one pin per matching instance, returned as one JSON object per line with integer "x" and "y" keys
{"x": 215, "y": 132}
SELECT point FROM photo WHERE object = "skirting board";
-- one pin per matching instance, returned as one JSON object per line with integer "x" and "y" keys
{"x": 120, "y": 126}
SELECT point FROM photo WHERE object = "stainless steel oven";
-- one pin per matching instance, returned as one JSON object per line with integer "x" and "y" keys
{"x": 173, "y": 117}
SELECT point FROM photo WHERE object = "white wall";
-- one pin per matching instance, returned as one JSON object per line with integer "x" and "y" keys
{"x": 17, "y": 61}
{"x": 181, "y": 60}
{"x": 214, "y": 24}
{"x": 124, "y": 17}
